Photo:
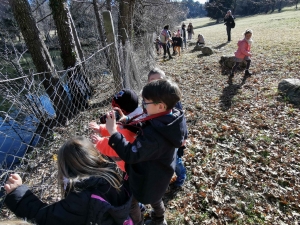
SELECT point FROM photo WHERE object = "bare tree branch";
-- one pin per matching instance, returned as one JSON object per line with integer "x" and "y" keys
{"x": 44, "y": 17}
{"x": 39, "y": 6}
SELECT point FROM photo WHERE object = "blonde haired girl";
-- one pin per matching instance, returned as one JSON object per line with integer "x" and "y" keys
{"x": 243, "y": 52}
{"x": 93, "y": 192}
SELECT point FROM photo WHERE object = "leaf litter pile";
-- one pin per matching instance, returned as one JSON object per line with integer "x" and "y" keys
{"x": 242, "y": 155}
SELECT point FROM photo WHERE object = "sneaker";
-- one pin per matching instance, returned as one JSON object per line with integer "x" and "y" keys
{"x": 247, "y": 73}
{"x": 170, "y": 57}
{"x": 151, "y": 222}
{"x": 165, "y": 57}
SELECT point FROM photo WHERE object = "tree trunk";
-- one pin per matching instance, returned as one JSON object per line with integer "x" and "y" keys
{"x": 113, "y": 50}
{"x": 76, "y": 39}
{"x": 125, "y": 27}
{"x": 40, "y": 57}
{"x": 280, "y": 6}
{"x": 60, "y": 12}
{"x": 273, "y": 5}
{"x": 108, "y": 5}
{"x": 78, "y": 82}
{"x": 234, "y": 7}
{"x": 99, "y": 23}
{"x": 100, "y": 30}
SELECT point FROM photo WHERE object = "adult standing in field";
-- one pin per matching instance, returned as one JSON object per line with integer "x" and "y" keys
{"x": 165, "y": 38}
{"x": 183, "y": 35}
{"x": 190, "y": 30}
{"x": 229, "y": 22}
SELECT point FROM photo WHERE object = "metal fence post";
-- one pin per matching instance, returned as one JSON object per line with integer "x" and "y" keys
{"x": 115, "y": 65}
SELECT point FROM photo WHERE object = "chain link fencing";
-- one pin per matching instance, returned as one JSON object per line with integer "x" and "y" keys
{"x": 34, "y": 123}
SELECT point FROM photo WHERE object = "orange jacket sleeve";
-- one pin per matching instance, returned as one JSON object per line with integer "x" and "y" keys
{"x": 130, "y": 136}
{"x": 105, "y": 149}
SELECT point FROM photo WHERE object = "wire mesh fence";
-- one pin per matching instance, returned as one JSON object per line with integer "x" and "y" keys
{"x": 39, "y": 111}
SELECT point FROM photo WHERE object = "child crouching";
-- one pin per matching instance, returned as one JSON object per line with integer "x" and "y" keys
{"x": 200, "y": 40}
{"x": 243, "y": 53}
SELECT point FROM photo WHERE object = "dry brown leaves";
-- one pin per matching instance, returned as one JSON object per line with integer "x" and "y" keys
{"x": 243, "y": 149}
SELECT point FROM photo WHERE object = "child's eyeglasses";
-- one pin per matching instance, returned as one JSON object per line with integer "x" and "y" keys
{"x": 144, "y": 104}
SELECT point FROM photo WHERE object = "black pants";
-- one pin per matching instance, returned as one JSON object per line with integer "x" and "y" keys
{"x": 238, "y": 63}
{"x": 166, "y": 49}
{"x": 228, "y": 29}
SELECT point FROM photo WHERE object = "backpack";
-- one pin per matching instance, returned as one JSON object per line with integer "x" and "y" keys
{"x": 162, "y": 36}
{"x": 233, "y": 24}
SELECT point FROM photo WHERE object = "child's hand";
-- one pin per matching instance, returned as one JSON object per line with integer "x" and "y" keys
{"x": 94, "y": 126}
{"x": 12, "y": 182}
{"x": 111, "y": 123}
{"x": 122, "y": 118}
{"x": 95, "y": 138}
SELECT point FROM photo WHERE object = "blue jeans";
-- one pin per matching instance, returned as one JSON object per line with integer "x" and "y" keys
{"x": 180, "y": 172}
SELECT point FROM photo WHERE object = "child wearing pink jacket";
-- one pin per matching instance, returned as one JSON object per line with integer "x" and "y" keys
{"x": 243, "y": 52}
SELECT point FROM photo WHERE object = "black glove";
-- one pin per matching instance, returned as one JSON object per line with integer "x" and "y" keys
{"x": 180, "y": 151}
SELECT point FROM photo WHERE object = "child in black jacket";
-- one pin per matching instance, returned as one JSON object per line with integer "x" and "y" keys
{"x": 91, "y": 187}
{"x": 151, "y": 158}
{"x": 177, "y": 43}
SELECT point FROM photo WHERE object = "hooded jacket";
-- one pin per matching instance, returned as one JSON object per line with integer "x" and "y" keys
{"x": 94, "y": 202}
{"x": 243, "y": 49}
{"x": 151, "y": 158}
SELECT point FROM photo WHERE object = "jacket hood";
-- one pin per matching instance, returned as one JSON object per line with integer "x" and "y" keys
{"x": 120, "y": 214}
{"x": 172, "y": 127}
{"x": 107, "y": 214}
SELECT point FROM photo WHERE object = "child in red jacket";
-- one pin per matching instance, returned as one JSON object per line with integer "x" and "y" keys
{"x": 243, "y": 53}
{"x": 127, "y": 101}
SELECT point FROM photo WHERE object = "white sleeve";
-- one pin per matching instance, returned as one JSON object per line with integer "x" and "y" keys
{"x": 136, "y": 112}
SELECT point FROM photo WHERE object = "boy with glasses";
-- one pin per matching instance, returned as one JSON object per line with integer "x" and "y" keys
{"x": 151, "y": 158}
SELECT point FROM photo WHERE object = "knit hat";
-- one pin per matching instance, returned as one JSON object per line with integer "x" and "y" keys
{"x": 127, "y": 100}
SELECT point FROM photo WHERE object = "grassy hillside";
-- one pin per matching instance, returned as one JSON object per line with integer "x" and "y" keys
{"x": 243, "y": 151}
{"x": 244, "y": 146}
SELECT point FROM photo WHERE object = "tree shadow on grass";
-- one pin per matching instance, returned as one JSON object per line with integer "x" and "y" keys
{"x": 207, "y": 25}
{"x": 229, "y": 92}
{"x": 221, "y": 45}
